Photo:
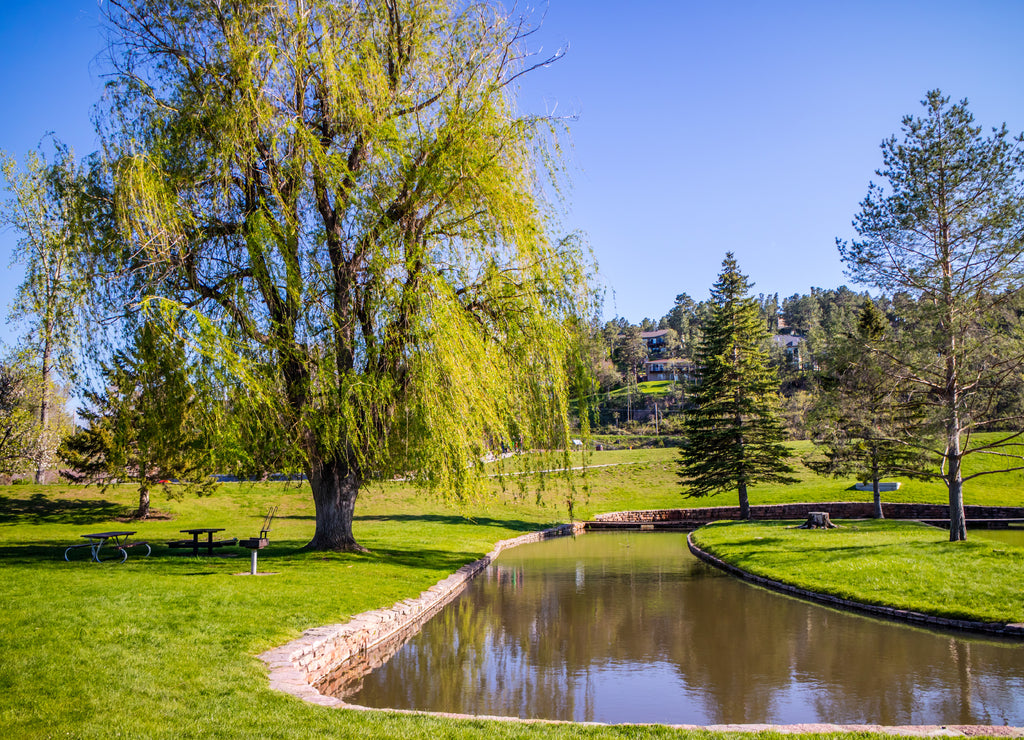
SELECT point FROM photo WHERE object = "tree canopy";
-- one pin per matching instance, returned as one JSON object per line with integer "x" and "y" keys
{"x": 947, "y": 230}
{"x": 734, "y": 437}
{"x": 46, "y": 207}
{"x": 342, "y": 208}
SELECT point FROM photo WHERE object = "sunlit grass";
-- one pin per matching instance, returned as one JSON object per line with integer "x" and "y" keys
{"x": 901, "y": 564}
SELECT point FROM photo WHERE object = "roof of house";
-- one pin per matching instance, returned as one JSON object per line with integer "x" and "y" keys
{"x": 653, "y": 334}
{"x": 787, "y": 340}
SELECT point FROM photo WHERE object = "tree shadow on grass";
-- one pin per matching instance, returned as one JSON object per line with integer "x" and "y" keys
{"x": 444, "y": 560}
{"x": 752, "y": 546}
{"x": 516, "y": 525}
{"x": 287, "y": 552}
{"x": 34, "y": 553}
{"x": 294, "y": 551}
{"x": 39, "y": 509}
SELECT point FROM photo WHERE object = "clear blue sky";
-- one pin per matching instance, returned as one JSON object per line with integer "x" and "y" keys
{"x": 703, "y": 127}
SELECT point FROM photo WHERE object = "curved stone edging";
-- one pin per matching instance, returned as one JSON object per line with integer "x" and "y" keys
{"x": 319, "y": 651}
{"x": 903, "y": 615}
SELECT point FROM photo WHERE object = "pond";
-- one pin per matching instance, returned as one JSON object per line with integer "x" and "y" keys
{"x": 1008, "y": 536}
{"x": 614, "y": 627}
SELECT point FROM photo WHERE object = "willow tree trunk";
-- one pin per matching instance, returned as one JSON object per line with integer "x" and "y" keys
{"x": 335, "y": 487}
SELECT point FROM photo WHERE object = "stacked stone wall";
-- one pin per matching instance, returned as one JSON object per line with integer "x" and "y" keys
{"x": 836, "y": 510}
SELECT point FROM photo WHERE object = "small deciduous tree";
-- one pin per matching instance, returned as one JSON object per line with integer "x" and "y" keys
{"x": 45, "y": 207}
{"x": 948, "y": 231}
{"x": 17, "y": 428}
{"x": 734, "y": 437}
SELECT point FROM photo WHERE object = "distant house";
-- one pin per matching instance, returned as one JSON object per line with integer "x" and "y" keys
{"x": 792, "y": 347}
{"x": 678, "y": 370}
{"x": 655, "y": 341}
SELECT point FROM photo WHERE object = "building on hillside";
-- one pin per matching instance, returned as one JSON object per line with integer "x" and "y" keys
{"x": 655, "y": 341}
{"x": 792, "y": 347}
{"x": 677, "y": 370}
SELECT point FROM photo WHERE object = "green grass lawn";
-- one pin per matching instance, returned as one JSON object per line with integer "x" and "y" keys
{"x": 647, "y": 388}
{"x": 166, "y": 646}
{"x": 902, "y": 564}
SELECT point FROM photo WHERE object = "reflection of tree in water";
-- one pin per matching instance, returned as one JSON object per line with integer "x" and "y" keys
{"x": 912, "y": 676}
{"x": 467, "y": 660}
{"x": 542, "y": 633}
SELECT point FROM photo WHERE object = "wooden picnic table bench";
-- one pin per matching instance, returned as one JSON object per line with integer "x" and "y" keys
{"x": 208, "y": 545}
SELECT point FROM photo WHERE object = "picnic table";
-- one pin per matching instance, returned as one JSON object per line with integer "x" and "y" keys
{"x": 117, "y": 540}
{"x": 209, "y": 544}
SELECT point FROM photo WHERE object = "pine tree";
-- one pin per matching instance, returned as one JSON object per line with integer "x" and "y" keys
{"x": 861, "y": 416}
{"x": 734, "y": 434}
{"x": 945, "y": 230}
{"x": 144, "y": 426}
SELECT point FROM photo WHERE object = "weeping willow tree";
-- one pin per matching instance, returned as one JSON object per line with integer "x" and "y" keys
{"x": 340, "y": 204}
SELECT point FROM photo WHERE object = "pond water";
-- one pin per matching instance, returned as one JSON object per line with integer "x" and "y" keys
{"x": 614, "y": 627}
{"x": 1009, "y": 536}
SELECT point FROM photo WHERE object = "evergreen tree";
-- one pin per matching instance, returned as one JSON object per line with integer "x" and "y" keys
{"x": 860, "y": 417}
{"x": 144, "y": 426}
{"x": 631, "y": 353}
{"x": 947, "y": 231}
{"x": 734, "y": 435}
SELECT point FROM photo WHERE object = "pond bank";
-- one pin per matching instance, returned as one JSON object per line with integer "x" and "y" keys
{"x": 296, "y": 667}
{"x": 903, "y": 615}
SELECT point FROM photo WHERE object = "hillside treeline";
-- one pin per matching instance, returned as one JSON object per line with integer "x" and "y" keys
{"x": 805, "y": 332}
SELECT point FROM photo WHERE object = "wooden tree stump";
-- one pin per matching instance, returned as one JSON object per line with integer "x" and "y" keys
{"x": 817, "y": 520}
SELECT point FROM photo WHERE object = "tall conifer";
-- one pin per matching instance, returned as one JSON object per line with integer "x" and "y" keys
{"x": 734, "y": 433}
{"x": 861, "y": 416}
{"x": 946, "y": 230}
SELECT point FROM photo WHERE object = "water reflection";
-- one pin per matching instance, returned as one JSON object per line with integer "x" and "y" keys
{"x": 1010, "y": 536}
{"x": 631, "y": 628}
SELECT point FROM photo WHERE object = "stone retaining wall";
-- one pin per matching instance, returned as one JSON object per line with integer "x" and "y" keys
{"x": 320, "y": 651}
{"x": 836, "y": 510}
